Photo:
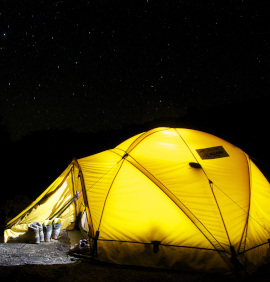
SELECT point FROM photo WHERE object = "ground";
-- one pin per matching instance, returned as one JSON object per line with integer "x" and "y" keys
{"x": 51, "y": 262}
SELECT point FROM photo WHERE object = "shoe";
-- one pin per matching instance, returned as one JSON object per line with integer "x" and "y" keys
{"x": 81, "y": 248}
{"x": 33, "y": 234}
{"x": 56, "y": 228}
{"x": 41, "y": 233}
{"x": 47, "y": 230}
{"x": 30, "y": 236}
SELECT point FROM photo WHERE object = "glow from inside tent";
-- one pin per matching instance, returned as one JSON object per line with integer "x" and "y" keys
{"x": 64, "y": 185}
{"x": 163, "y": 144}
{"x": 170, "y": 132}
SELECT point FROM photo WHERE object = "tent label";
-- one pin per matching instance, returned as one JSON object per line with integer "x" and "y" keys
{"x": 212, "y": 153}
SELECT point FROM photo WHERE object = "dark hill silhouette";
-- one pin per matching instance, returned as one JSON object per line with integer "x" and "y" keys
{"x": 31, "y": 164}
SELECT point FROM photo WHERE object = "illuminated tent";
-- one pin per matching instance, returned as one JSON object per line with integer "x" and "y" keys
{"x": 168, "y": 197}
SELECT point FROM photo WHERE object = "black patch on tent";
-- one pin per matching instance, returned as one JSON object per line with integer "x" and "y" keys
{"x": 195, "y": 165}
{"x": 155, "y": 246}
{"x": 212, "y": 153}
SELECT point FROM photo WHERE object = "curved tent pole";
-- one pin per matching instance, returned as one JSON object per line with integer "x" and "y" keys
{"x": 71, "y": 201}
{"x": 73, "y": 190}
{"x": 89, "y": 218}
{"x": 206, "y": 233}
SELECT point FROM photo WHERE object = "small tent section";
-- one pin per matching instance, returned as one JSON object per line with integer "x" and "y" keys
{"x": 168, "y": 197}
{"x": 58, "y": 198}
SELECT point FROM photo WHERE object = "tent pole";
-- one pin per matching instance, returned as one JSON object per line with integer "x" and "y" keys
{"x": 89, "y": 218}
{"x": 73, "y": 190}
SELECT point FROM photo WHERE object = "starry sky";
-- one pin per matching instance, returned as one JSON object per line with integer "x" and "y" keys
{"x": 102, "y": 65}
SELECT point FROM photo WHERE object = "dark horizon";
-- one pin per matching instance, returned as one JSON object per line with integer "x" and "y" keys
{"x": 43, "y": 155}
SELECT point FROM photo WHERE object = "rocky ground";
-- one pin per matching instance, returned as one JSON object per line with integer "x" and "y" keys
{"x": 52, "y": 262}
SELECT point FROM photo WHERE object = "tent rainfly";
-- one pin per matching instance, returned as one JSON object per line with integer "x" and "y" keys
{"x": 168, "y": 198}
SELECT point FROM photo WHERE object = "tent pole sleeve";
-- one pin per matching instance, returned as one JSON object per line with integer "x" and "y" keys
{"x": 94, "y": 250}
{"x": 89, "y": 218}
{"x": 208, "y": 235}
{"x": 73, "y": 190}
{"x": 61, "y": 211}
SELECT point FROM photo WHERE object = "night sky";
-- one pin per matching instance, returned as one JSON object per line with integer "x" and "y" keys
{"x": 103, "y": 65}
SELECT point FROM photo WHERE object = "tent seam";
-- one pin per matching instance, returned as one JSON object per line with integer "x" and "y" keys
{"x": 85, "y": 197}
{"x": 253, "y": 248}
{"x": 176, "y": 204}
{"x": 101, "y": 216}
{"x": 73, "y": 190}
{"x": 174, "y": 201}
{"x": 142, "y": 136}
{"x": 224, "y": 225}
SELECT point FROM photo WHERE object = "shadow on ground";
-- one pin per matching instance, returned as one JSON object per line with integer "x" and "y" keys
{"x": 52, "y": 262}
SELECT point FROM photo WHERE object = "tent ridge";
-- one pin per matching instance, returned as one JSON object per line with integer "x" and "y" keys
{"x": 142, "y": 137}
{"x": 187, "y": 146}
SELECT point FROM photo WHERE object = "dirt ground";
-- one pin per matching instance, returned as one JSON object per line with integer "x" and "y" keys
{"x": 51, "y": 262}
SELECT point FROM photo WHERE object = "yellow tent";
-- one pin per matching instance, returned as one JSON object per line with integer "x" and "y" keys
{"x": 168, "y": 197}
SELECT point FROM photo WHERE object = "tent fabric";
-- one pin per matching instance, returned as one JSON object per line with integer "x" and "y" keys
{"x": 53, "y": 199}
{"x": 168, "y": 197}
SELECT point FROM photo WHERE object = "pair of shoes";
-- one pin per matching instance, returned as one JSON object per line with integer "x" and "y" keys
{"x": 30, "y": 236}
{"x": 36, "y": 234}
{"x": 82, "y": 247}
{"x": 51, "y": 229}
{"x": 84, "y": 243}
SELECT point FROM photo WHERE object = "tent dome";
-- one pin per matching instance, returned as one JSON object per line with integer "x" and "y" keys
{"x": 173, "y": 197}
{"x": 177, "y": 197}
